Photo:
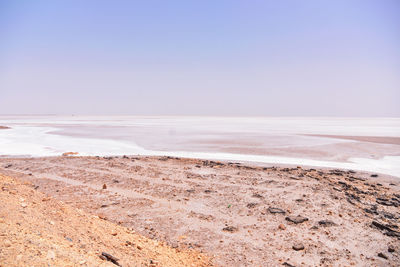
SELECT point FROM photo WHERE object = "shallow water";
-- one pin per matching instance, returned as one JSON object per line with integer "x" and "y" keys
{"x": 265, "y": 140}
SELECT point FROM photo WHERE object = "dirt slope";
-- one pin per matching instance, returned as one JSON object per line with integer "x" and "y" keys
{"x": 36, "y": 230}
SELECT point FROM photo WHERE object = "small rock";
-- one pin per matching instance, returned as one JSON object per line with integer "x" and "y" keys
{"x": 82, "y": 262}
{"x": 288, "y": 264}
{"x": 276, "y": 210}
{"x": 391, "y": 249}
{"x": 104, "y": 186}
{"x": 326, "y": 223}
{"x": 23, "y": 205}
{"x": 296, "y": 219}
{"x": 380, "y": 254}
{"x": 374, "y": 175}
{"x": 230, "y": 229}
{"x": 282, "y": 227}
{"x": 298, "y": 246}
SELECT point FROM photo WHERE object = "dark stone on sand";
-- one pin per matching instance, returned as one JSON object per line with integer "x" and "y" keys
{"x": 374, "y": 175}
{"x": 8, "y": 166}
{"x": 326, "y": 223}
{"x": 109, "y": 257}
{"x": 387, "y": 229}
{"x": 380, "y": 254}
{"x": 296, "y": 219}
{"x": 276, "y": 210}
{"x": 298, "y": 246}
{"x": 230, "y": 229}
{"x": 391, "y": 249}
{"x": 288, "y": 264}
{"x": 207, "y": 191}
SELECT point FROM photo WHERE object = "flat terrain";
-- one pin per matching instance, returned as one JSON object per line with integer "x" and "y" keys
{"x": 36, "y": 230}
{"x": 243, "y": 215}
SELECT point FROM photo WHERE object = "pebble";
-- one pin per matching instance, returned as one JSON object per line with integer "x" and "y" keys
{"x": 296, "y": 219}
{"x": 326, "y": 223}
{"x": 230, "y": 229}
{"x": 282, "y": 227}
{"x": 276, "y": 210}
{"x": 391, "y": 249}
{"x": 23, "y": 205}
{"x": 298, "y": 246}
{"x": 380, "y": 254}
{"x": 82, "y": 262}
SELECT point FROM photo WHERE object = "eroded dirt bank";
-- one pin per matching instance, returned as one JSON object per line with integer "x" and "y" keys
{"x": 244, "y": 215}
{"x": 36, "y": 230}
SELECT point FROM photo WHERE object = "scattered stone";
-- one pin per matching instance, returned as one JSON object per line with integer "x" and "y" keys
{"x": 326, "y": 223}
{"x": 391, "y": 249}
{"x": 257, "y": 195}
{"x": 115, "y": 181}
{"x": 8, "y": 166}
{"x": 108, "y": 257}
{"x": 282, "y": 227}
{"x": 298, "y": 246}
{"x": 231, "y": 229}
{"x": 374, "y": 175}
{"x": 276, "y": 210}
{"x": 104, "y": 186}
{"x": 386, "y": 228}
{"x": 23, "y": 205}
{"x": 296, "y": 219}
{"x": 288, "y": 264}
{"x": 380, "y": 254}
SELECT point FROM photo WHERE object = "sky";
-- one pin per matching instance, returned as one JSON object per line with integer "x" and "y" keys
{"x": 209, "y": 57}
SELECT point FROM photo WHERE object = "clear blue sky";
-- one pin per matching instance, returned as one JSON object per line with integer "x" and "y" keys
{"x": 266, "y": 58}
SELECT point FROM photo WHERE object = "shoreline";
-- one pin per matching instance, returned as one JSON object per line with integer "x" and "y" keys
{"x": 230, "y": 209}
{"x": 363, "y": 164}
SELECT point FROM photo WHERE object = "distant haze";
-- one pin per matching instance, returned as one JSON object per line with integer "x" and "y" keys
{"x": 239, "y": 58}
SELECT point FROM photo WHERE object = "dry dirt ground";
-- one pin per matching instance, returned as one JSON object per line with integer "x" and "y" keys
{"x": 36, "y": 230}
{"x": 242, "y": 215}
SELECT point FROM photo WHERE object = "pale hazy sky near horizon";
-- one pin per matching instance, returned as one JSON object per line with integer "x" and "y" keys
{"x": 264, "y": 58}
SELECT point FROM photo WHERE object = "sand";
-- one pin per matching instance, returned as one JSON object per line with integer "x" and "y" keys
{"x": 240, "y": 215}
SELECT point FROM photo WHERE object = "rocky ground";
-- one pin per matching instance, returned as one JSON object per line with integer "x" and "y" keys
{"x": 243, "y": 215}
{"x": 37, "y": 230}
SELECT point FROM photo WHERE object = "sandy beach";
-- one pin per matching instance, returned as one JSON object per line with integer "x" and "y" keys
{"x": 237, "y": 214}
